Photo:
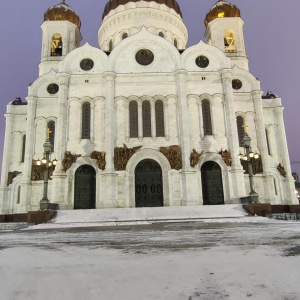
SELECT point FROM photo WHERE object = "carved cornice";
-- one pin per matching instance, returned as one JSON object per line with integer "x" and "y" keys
{"x": 100, "y": 159}
{"x": 173, "y": 154}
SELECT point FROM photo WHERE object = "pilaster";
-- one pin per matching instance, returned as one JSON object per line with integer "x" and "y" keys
{"x": 190, "y": 188}
{"x": 262, "y": 145}
{"x": 109, "y": 145}
{"x": 238, "y": 190}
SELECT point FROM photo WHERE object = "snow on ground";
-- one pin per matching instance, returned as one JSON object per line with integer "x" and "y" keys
{"x": 167, "y": 261}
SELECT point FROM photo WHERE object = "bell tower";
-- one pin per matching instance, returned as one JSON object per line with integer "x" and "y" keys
{"x": 61, "y": 35}
{"x": 224, "y": 29}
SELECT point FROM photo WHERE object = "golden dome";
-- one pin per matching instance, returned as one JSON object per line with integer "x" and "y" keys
{"x": 222, "y": 9}
{"x": 62, "y": 12}
{"x": 113, "y": 4}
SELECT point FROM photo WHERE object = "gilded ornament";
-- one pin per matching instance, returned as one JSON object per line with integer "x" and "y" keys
{"x": 69, "y": 159}
{"x": 226, "y": 156}
{"x": 100, "y": 158}
{"x": 173, "y": 154}
{"x": 122, "y": 156}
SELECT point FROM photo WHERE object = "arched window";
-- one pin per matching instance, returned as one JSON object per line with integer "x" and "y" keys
{"x": 175, "y": 43}
{"x": 268, "y": 142}
{"x": 207, "y": 128}
{"x": 240, "y": 129}
{"x": 110, "y": 45}
{"x": 86, "y": 121}
{"x": 19, "y": 195}
{"x": 161, "y": 34}
{"x": 229, "y": 41}
{"x": 23, "y": 148}
{"x": 133, "y": 119}
{"x": 124, "y": 35}
{"x": 159, "y": 118}
{"x": 51, "y": 127}
{"x": 146, "y": 119}
{"x": 56, "y": 45}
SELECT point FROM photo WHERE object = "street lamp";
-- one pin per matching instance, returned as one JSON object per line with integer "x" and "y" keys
{"x": 47, "y": 163}
{"x": 249, "y": 156}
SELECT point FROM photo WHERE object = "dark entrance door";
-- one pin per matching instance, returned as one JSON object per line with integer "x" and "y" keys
{"x": 85, "y": 188}
{"x": 212, "y": 186}
{"x": 148, "y": 184}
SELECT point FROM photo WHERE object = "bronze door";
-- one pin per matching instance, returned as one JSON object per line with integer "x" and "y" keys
{"x": 148, "y": 184}
{"x": 212, "y": 185}
{"x": 85, "y": 188}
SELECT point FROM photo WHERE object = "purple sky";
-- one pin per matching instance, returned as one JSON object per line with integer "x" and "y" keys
{"x": 271, "y": 36}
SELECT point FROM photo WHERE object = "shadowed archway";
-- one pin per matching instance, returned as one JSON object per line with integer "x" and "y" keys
{"x": 148, "y": 184}
{"x": 212, "y": 185}
{"x": 85, "y": 188}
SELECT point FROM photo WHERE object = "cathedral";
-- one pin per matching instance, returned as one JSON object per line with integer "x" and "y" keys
{"x": 142, "y": 120}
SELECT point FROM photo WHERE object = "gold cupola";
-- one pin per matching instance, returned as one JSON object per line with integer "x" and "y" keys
{"x": 222, "y": 9}
{"x": 62, "y": 12}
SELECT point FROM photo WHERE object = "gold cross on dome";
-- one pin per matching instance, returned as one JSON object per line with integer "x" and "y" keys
{"x": 245, "y": 127}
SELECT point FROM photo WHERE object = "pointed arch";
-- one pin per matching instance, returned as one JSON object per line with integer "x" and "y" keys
{"x": 56, "y": 45}
{"x": 229, "y": 41}
{"x": 206, "y": 114}
{"x": 146, "y": 111}
{"x": 86, "y": 121}
{"x": 51, "y": 127}
{"x": 23, "y": 148}
{"x": 133, "y": 119}
{"x": 159, "y": 118}
{"x": 240, "y": 129}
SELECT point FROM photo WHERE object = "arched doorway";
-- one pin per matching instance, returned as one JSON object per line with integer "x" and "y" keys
{"x": 85, "y": 188}
{"x": 148, "y": 184}
{"x": 212, "y": 185}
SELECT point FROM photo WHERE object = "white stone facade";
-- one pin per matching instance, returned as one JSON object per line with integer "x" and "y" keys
{"x": 116, "y": 79}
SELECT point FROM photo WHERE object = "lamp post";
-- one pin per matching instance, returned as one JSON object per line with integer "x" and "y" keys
{"x": 45, "y": 203}
{"x": 249, "y": 156}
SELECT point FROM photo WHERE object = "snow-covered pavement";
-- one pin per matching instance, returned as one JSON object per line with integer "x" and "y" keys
{"x": 168, "y": 261}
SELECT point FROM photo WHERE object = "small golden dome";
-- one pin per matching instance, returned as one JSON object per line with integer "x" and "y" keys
{"x": 62, "y": 12}
{"x": 222, "y": 9}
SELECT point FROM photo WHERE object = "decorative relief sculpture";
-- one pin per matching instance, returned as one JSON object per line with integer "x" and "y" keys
{"x": 122, "y": 156}
{"x": 100, "y": 158}
{"x": 69, "y": 160}
{"x": 226, "y": 156}
{"x": 11, "y": 176}
{"x": 173, "y": 154}
{"x": 195, "y": 158}
{"x": 281, "y": 170}
{"x": 257, "y": 166}
{"x": 37, "y": 172}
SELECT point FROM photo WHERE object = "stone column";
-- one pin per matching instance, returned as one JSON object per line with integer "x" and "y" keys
{"x": 59, "y": 176}
{"x": 263, "y": 147}
{"x": 190, "y": 188}
{"x": 109, "y": 145}
{"x": 289, "y": 185}
{"x": 166, "y": 120}
{"x": 4, "y": 200}
{"x": 238, "y": 183}
{"x": 30, "y": 134}
{"x": 193, "y": 109}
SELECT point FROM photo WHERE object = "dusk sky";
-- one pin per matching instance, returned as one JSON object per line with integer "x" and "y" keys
{"x": 271, "y": 33}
